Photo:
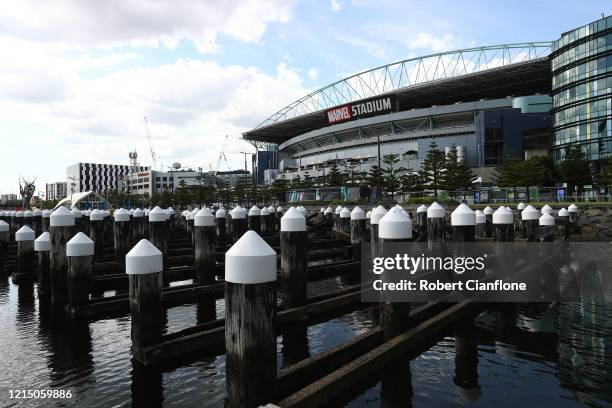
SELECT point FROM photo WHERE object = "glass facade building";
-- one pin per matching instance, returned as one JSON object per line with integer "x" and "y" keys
{"x": 581, "y": 62}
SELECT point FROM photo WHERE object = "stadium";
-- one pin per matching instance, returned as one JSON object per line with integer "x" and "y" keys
{"x": 486, "y": 103}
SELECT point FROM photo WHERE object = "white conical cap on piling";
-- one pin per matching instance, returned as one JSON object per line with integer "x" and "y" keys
{"x": 563, "y": 213}
{"x": 250, "y": 260}
{"x": 377, "y": 214}
{"x": 480, "y": 217}
{"x": 76, "y": 212}
{"x": 328, "y": 210}
{"x": 28, "y": 214}
{"x": 338, "y": 209}
{"x": 280, "y": 209}
{"x": 322, "y": 210}
{"x": 157, "y": 215}
{"x": 143, "y": 259}
{"x": 138, "y": 213}
{"x": 43, "y": 242}
{"x": 463, "y": 216}
{"x": 25, "y": 233}
{"x": 131, "y": 211}
{"x": 520, "y": 206}
{"x": 221, "y": 213}
{"x": 4, "y": 227}
{"x": 395, "y": 225}
{"x": 435, "y": 210}
{"x": 62, "y": 217}
{"x": 572, "y": 208}
{"x": 193, "y": 213}
{"x": 421, "y": 208}
{"x": 345, "y": 213}
{"x": 503, "y": 215}
{"x": 87, "y": 213}
{"x": 37, "y": 213}
{"x": 302, "y": 210}
{"x": 96, "y": 215}
{"x": 488, "y": 210}
{"x": 204, "y": 218}
{"x": 47, "y": 213}
{"x": 293, "y": 220}
{"x": 547, "y": 220}
{"x": 121, "y": 215}
{"x": 271, "y": 209}
{"x": 80, "y": 245}
{"x": 358, "y": 214}
{"x": 547, "y": 209}
{"x": 264, "y": 211}
{"x": 530, "y": 213}
{"x": 185, "y": 213}
{"x": 369, "y": 215}
{"x": 254, "y": 211}
{"x": 19, "y": 214}
{"x": 238, "y": 213}
{"x": 171, "y": 211}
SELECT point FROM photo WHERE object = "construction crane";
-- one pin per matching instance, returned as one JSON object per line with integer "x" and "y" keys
{"x": 222, "y": 156}
{"x": 153, "y": 157}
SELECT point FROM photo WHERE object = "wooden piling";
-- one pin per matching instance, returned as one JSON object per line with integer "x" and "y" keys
{"x": 481, "y": 222}
{"x": 158, "y": 234}
{"x": 272, "y": 220}
{"x": 144, "y": 266}
{"x": 239, "y": 223}
{"x": 80, "y": 251}
{"x": 488, "y": 212}
{"x": 250, "y": 320}
{"x": 394, "y": 227}
{"x": 280, "y": 211}
{"x": 436, "y": 224}
{"x": 328, "y": 214}
{"x": 46, "y": 214}
{"x": 96, "y": 233}
{"x": 547, "y": 227}
{"x": 358, "y": 232}
{"x": 255, "y": 219}
{"x": 466, "y": 359}
{"x": 294, "y": 253}
{"x": 138, "y": 224}
{"x": 204, "y": 243}
{"x": 563, "y": 224}
{"x": 344, "y": 222}
{"x": 13, "y": 224}
{"x": 530, "y": 223}
{"x": 573, "y": 217}
{"x": 503, "y": 225}
{"x": 78, "y": 219}
{"x": 28, "y": 219}
{"x": 420, "y": 220}
{"x": 375, "y": 218}
{"x": 5, "y": 235}
{"x": 37, "y": 221}
{"x": 463, "y": 223}
{"x": 220, "y": 224}
{"x": 61, "y": 230}
{"x": 42, "y": 246}
{"x": 265, "y": 222}
{"x": 25, "y": 255}
{"x": 121, "y": 234}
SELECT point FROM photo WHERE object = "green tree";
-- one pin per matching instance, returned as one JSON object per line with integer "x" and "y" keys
{"x": 574, "y": 169}
{"x": 411, "y": 182}
{"x": 335, "y": 178}
{"x": 432, "y": 168}
{"x": 391, "y": 174}
{"x": 456, "y": 176}
{"x": 373, "y": 178}
{"x": 183, "y": 194}
{"x": 279, "y": 188}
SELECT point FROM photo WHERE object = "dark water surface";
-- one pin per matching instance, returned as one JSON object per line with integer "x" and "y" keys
{"x": 556, "y": 356}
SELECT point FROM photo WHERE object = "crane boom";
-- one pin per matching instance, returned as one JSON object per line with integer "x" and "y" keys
{"x": 153, "y": 157}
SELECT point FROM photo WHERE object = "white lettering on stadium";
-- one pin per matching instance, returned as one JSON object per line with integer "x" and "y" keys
{"x": 343, "y": 113}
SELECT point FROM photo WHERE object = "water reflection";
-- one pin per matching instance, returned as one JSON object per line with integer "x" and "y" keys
{"x": 466, "y": 361}
{"x": 147, "y": 386}
{"x": 396, "y": 386}
{"x": 295, "y": 344}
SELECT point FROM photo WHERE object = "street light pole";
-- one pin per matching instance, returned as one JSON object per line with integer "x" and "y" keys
{"x": 379, "y": 169}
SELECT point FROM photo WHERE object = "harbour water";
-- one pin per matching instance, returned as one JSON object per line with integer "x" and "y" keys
{"x": 556, "y": 356}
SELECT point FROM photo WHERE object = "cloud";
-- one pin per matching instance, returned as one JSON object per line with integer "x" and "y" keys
{"x": 93, "y": 24}
{"x": 313, "y": 73}
{"x": 336, "y": 6}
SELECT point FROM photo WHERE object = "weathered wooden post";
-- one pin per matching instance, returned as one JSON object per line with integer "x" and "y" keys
{"x": 436, "y": 224}
{"x": 250, "y": 320}
{"x": 13, "y": 224}
{"x": 96, "y": 233}
{"x": 121, "y": 234}
{"x": 294, "y": 253}
{"x": 265, "y": 222}
{"x": 46, "y": 214}
{"x": 547, "y": 227}
{"x": 279, "y": 214}
{"x": 573, "y": 217}
{"x": 358, "y": 232}
{"x": 394, "y": 227}
{"x": 220, "y": 224}
{"x": 184, "y": 214}
{"x": 420, "y": 220}
{"x": 190, "y": 221}
{"x": 530, "y": 219}
{"x": 28, "y": 218}
{"x": 344, "y": 222}
{"x": 488, "y": 212}
{"x": 503, "y": 225}
{"x": 272, "y": 219}
{"x": 204, "y": 242}
{"x": 25, "y": 255}
{"x": 171, "y": 218}
{"x": 377, "y": 214}
{"x": 144, "y": 265}
{"x": 239, "y": 223}
{"x": 547, "y": 209}
{"x": 302, "y": 210}
{"x": 255, "y": 219}
{"x": 466, "y": 359}
{"x": 329, "y": 221}
{"x": 78, "y": 217}
{"x": 563, "y": 222}
{"x": 158, "y": 234}
{"x": 337, "y": 217}
{"x": 518, "y": 225}
{"x": 5, "y": 235}
{"x": 463, "y": 222}
{"x": 79, "y": 250}
{"x": 61, "y": 230}
{"x": 138, "y": 224}
{"x": 42, "y": 245}
{"x": 37, "y": 221}
{"x": 481, "y": 222}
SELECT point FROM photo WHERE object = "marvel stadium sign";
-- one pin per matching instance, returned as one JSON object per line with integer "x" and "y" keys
{"x": 361, "y": 109}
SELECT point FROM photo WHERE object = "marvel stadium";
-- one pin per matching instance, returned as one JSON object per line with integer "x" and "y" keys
{"x": 486, "y": 103}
